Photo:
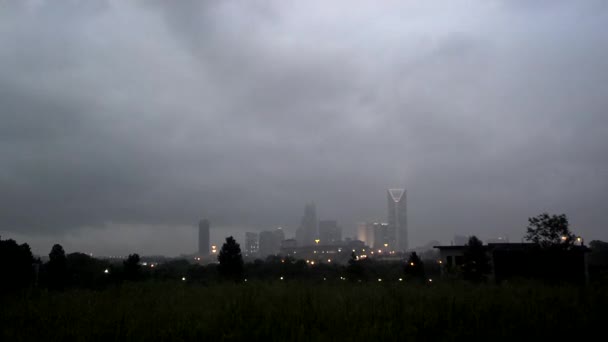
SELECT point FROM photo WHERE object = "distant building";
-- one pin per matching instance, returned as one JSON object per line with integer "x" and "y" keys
{"x": 329, "y": 232}
{"x": 523, "y": 260}
{"x": 203, "y": 237}
{"x": 289, "y": 244}
{"x": 251, "y": 244}
{"x": 365, "y": 233}
{"x": 279, "y": 234}
{"x": 308, "y": 231}
{"x": 397, "y": 218}
{"x": 384, "y": 238}
{"x": 270, "y": 242}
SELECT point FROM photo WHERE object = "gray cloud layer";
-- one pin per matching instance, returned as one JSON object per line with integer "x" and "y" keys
{"x": 158, "y": 113}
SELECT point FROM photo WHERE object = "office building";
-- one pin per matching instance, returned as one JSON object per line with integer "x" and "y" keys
{"x": 329, "y": 232}
{"x": 203, "y": 237}
{"x": 308, "y": 231}
{"x": 251, "y": 244}
{"x": 397, "y": 218}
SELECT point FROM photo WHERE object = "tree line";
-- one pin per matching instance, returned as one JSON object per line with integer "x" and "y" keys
{"x": 20, "y": 269}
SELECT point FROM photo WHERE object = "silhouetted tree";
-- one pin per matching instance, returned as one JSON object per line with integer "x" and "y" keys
{"x": 56, "y": 268}
{"x": 131, "y": 267}
{"x": 86, "y": 271}
{"x": 476, "y": 264}
{"x": 550, "y": 231}
{"x": 16, "y": 265}
{"x": 354, "y": 270}
{"x": 414, "y": 267}
{"x": 231, "y": 260}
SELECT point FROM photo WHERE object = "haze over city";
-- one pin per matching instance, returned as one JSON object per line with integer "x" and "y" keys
{"x": 122, "y": 124}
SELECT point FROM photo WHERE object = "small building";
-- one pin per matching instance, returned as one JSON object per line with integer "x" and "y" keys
{"x": 523, "y": 260}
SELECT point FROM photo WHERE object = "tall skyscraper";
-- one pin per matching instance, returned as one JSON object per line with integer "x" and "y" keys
{"x": 308, "y": 232}
{"x": 251, "y": 244}
{"x": 203, "y": 237}
{"x": 329, "y": 232}
{"x": 397, "y": 218}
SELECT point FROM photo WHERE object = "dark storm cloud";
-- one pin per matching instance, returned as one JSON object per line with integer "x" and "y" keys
{"x": 157, "y": 113}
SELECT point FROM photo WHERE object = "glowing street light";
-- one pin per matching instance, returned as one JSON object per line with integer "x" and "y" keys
{"x": 328, "y": 260}
{"x": 386, "y": 245}
{"x": 379, "y": 279}
{"x": 317, "y": 241}
{"x": 183, "y": 278}
{"x": 106, "y": 271}
{"x": 281, "y": 278}
{"x": 411, "y": 264}
{"x": 400, "y": 279}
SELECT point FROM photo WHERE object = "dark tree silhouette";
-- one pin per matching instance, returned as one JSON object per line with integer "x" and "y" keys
{"x": 414, "y": 267}
{"x": 476, "y": 264}
{"x": 131, "y": 267}
{"x": 56, "y": 268}
{"x": 354, "y": 270}
{"x": 550, "y": 231}
{"x": 231, "y": 260}
{"x": 16, "y": 265}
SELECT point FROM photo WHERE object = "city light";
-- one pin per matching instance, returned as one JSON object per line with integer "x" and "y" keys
{"x": 379, "y": 279}
{"x": 281, "y": 278}
{"x": 317, "y": 241}
{"x": 106, "y": 271}
{"x": 312, "y": 262}
{"x": 411, "y": 264}
{"x": 245, "y": 279}
{"x": 183, "y": 278}
{"x": 564, "y": 238}
{"x": 386, "y": 245}
{"x": 328, "y": 260}
{"x": 441, "y": 262}
{"x": 400, "y": 279}
{"x": 430, "y": 280}
{"x": 152, "y": 265}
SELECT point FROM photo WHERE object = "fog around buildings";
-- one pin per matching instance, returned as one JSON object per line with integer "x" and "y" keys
{"x": 124, "y": 123}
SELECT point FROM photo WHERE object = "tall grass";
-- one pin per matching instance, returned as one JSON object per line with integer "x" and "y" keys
{"x": 292, "y": 311}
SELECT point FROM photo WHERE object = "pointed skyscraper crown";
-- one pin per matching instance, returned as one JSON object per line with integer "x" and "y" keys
{"x": 396, "y": 194}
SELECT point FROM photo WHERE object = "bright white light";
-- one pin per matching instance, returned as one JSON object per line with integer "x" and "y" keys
{"x": 411, "y": 264}
{"x": 430, "y": 280}
{"x": 400, "y": 279}
{"x": 328, "y": 260}
{"x": 184, "y": 278}
{"x": 281, "y": 278}
{"x": 106, "y": 271}
{"x": 379, "y": 279}
{"x": 245, "y": 279}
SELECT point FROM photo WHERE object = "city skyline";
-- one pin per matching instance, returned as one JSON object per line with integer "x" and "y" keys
{"x": 125, "y": 122}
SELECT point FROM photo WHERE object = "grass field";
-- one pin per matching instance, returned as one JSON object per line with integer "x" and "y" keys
{"x": 291, "y": 311}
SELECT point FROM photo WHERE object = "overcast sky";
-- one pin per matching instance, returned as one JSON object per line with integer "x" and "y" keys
{"x": 122, "y": 123}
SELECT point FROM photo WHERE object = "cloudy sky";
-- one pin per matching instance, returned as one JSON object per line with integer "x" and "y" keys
{"x": 122, "y": 123}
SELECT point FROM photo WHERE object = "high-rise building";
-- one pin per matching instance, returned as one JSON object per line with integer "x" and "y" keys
{"x": 203, "y": 237}
{"x": 270, "y": 243}
{"x": 251, "y": 244}
{"x": 307, "y": 232}
{"x": 397, "y": 218}
{"x": 383, "y": 236}
{"x": 329, "y": 232}
{"x": 365, "y": 233}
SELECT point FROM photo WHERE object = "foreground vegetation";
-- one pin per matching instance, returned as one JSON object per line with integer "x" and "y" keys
{"x": 301, "y": 311}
